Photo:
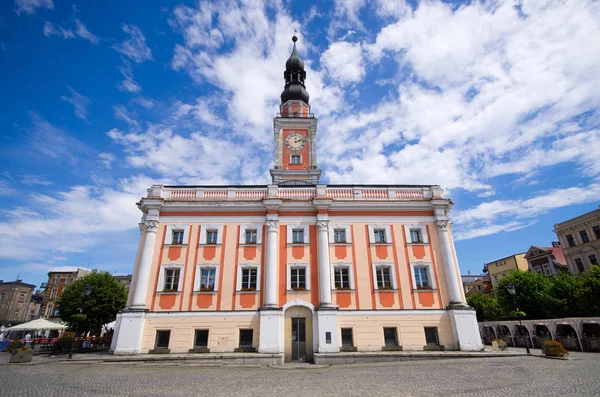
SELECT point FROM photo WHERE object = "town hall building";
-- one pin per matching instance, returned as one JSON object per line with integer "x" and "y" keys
{"x": 296, "y": 268}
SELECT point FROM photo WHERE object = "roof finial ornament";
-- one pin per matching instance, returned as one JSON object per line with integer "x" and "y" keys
{"x": 294, "y": 38}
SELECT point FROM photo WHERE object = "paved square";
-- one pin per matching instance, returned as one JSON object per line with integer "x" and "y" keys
{"x": 505, "y": 376}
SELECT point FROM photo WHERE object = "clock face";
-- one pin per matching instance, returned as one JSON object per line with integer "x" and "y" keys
{"x": 295, "y": 141}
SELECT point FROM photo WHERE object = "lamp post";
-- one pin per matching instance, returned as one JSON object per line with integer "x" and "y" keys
{"x": 87, "y": 290}
{"x": 513, "y": 292}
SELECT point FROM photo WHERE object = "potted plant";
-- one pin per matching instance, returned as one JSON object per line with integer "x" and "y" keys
{"x": 499, "y": 345}
{"x": 554, "y": 348}
{"x": 19, "y": 353}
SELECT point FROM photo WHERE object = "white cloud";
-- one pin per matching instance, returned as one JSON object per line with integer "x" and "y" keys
{"x": 29, "y": 6}
{"x": 129, "y": 84}
{"x": 144, "y": 102}
{"x": 35, "y": 180}
{"x": 122, "y": 113}
{"x": 6, "y": 189}
{"x": 135, "y": 47}
{"x": 344, "y": 62}
{"x": 84, "y": 33}
{"x": 51, "y": 30}
{"x": 79, "y": 102}
{"x": 202, "y": 111}
{"x": 106, "y": 159}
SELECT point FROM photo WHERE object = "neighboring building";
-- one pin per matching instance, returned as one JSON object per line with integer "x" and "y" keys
{"x": 58, "y": 279}
{"x": 476, "y": 283}
{"x": 546, "y": 260}
{"x": 15, "y": 302}
{"x": 295, "y": 268}
{"x": 580, "y": 239}
{"x": 124, "y": 280}
{"x": 499, "y": 268}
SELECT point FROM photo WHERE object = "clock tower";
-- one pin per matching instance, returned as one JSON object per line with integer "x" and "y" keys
{"x": 295, "y": 129}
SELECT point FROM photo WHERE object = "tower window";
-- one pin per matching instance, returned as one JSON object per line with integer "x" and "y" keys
{"x": 296, "y": 159}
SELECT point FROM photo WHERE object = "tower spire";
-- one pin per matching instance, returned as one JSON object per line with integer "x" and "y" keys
{"x": 294, "y": 76}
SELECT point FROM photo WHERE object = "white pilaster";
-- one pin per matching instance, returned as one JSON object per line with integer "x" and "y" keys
{"x": 452, "y": 282}
{"x": 271, "y": 331}
{"x": 327, "y": 331}
{"x": 324, "y": 266}
{"x": 465, "y": 330}
{"x": 271, "y": 265}
{"x": 129, "y": 327}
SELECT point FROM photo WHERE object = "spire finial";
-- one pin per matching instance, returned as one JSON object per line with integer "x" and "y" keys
{"x": 294, "y": 38}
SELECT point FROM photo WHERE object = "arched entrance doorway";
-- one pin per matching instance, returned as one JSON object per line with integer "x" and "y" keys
{"x": 298, "y": 337}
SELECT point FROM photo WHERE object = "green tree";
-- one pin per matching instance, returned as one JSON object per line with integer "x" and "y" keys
{"x": 486, "y": 306}
{"x": 106, "y": 299}
{"x": 564, "y": 298}
{"x": 588, "y": 294}
{"x": 532, "y": 294}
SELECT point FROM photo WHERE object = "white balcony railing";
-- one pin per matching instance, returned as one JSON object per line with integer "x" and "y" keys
{"x": 353, "y": 193}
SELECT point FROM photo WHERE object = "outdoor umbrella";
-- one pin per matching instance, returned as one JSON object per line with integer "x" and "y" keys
{"x": 40, "y": 323}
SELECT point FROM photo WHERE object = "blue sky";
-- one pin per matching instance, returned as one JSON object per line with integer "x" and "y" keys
{"x": 495, "y": 101}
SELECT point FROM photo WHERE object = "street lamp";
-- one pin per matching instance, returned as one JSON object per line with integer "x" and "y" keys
{"x": 513, "y": 292}
{"x": 87, "y": 290}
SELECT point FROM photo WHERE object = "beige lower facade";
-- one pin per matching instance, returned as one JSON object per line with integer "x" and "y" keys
{"x": 367, "y": 333}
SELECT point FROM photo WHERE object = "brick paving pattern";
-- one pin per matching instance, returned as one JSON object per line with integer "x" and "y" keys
{"x": 505, "y": 376}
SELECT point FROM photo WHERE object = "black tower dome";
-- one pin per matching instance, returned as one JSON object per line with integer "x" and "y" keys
{"x": 294, "y": 78}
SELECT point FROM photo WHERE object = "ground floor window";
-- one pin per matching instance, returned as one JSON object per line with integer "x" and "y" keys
{"x": 162, "y": 339}
{"x": 246, "y": 337}
{"x": 347, "y": 337}
{"x": 201, "y": 339}
{"x": 390, "y": 337}
{"x": 431, "y": 336}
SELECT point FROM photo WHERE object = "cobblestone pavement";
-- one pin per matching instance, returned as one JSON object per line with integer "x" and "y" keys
{"x": 505, "y": 376}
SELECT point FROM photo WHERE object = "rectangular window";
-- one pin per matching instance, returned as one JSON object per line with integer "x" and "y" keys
{"x": 383, "y": 277}
{"x": 421, "y": 278}
{"x": 547, "y": 269}
{"x": 431, "y": 336}
{"x": 246, "y": 337}
{"x": 347, "y": 339}
{"x": 49, "y": 311}
{"x": 16, "y": 315}
{"x": 379, "y": 235}
{"x": 584, "y": 236}
{"x": 415, "y": 236}
{"x": 2, "y": 296}
{"x": 57, "y": 279}
{"x": 171, "y": 280}
{"x": 593, "y": 259}
{"x": 68, "y": 280}
{"x": 298, "y": 280}
{"x": 211, "y": 236}
{"x": 251, "y": 236}
{"x": 207, "y": 279}
{"x": 201, "y": 339}
{"x": 570, "y": 240}
{"x": 162, "y": 339}
{"x": 22, "y": 298}
{"x": 298, "y": 236}
{"x": 597, "y": 231}
{"x": 249, "y": 279}
{"x": 579, "y": 264}
{"x": 53, "y": 293}
{"x": 537, "y": 269}
{"x": 177, "y": 237}
{"x": 339, "y": 235}
{"x": 390, "y": 337}
{"x": 296, "y": 159}
{"x": 341, "y": 278}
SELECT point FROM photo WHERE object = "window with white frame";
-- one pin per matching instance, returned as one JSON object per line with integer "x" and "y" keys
{"x": 422, "y": 275}
{"x": 177, "y": 237}
{"x": 341, "y": 276}
{"x": 171, "y": 279}
{"x": 249, "y": 279}
{"x": 21, "y": 297}
{"x": 49, "y": 311}
{"x": 16, "y": 315}
{"x": 298, "y": 278}
{"x": 251, "y": 236}
{"x": 547, "y": 269}
{"x": 208, "y": 278}
{"x": 421, "y": 278}
{"x": 379, "y": 235}
{"x": 68, "y": 280}
{"x": 537, "y": 269}
{"x": 415, "y": 236}
{"x": 298, "y": 236}
{"x": 296, "y": 159}
{"x": 2, "y": 295}
{"x": 384, "y": 277}
{"x": 339, "y": 235}
{"x": 53, "y": 293}
{"x": 57, "y": 279}
{"x": 212, "y": 236}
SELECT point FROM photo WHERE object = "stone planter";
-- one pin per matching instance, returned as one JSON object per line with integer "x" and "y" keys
{"x": 21, "y": 356}
{"x": 499, "y": 346}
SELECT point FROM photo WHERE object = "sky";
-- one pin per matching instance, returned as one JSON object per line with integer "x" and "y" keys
{"x": 498, "y": 102}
